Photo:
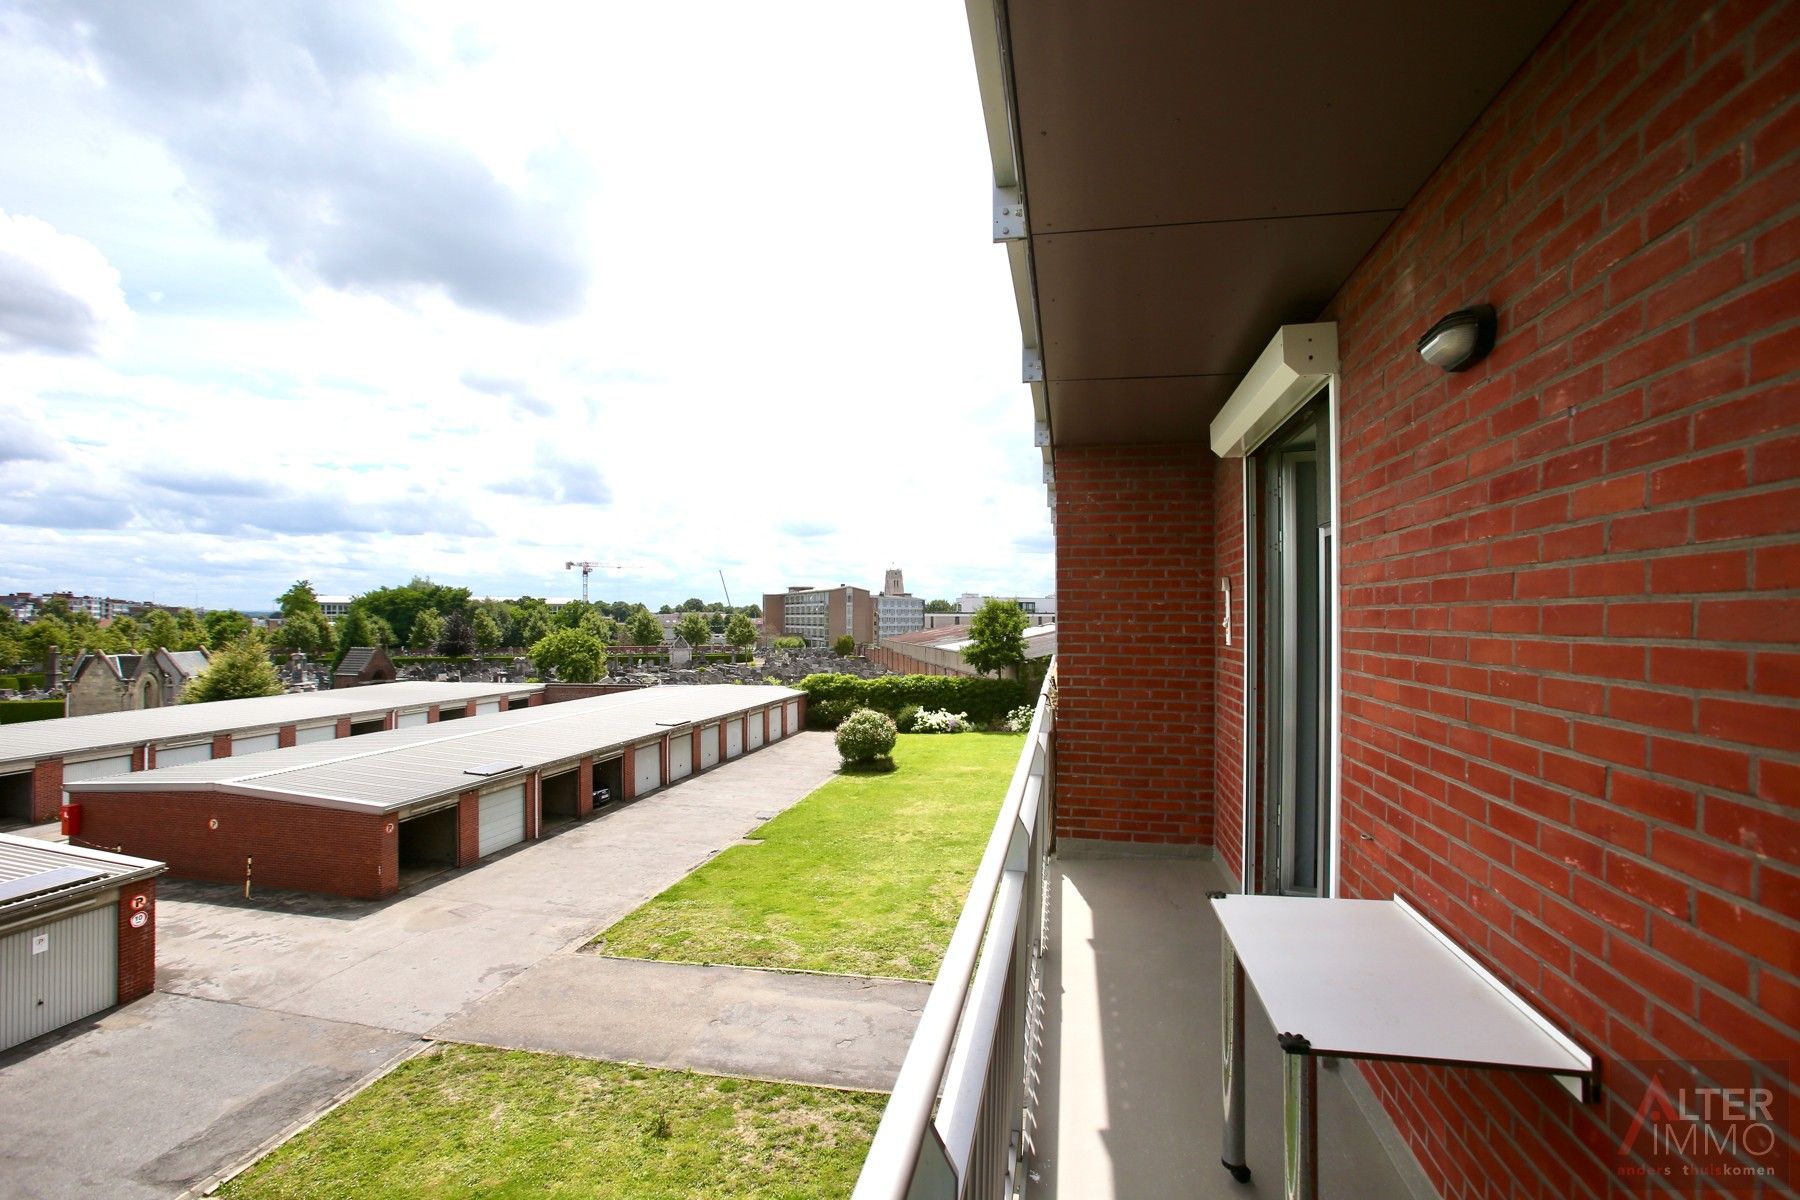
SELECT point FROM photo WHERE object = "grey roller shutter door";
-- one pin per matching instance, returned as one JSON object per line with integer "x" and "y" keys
{"x": 74, "y": 974}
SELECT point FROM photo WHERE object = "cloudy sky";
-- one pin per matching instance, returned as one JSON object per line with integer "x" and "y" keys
{"x": 352, "y": 291}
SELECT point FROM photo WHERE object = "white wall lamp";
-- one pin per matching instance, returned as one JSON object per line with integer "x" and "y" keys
{"x": 1460, "y": 340}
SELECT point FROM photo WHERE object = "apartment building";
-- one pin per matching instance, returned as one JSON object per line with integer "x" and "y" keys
{"x": 820, "y": 615}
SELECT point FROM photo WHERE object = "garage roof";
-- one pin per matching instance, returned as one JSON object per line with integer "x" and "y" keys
{"x": 398, "y": 768}
{"x": 36, "y": 874}
{"x": 32, "y": 741}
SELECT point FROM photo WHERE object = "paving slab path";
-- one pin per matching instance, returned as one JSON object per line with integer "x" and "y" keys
{"x": 835, "y": 1030}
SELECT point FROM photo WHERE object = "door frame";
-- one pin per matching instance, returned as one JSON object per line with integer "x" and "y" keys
{"x": 1253, "y": 819}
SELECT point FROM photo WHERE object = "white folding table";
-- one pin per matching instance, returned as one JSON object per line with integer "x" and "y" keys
{"x": 1366, "y": 979}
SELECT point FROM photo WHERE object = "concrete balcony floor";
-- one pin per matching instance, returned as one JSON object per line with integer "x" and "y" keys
{"x": 1127, "y": 1089}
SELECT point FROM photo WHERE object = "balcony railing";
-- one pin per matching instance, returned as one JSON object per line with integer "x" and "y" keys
{"x": 954, "y": 1125}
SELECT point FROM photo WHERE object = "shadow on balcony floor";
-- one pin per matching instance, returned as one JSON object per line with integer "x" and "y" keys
{"x": 1129, "y": 1076}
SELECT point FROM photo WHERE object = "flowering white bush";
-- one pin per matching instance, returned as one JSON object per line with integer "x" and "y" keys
{"x": 940, "y": 721}
{"x": 1019, "y": 719}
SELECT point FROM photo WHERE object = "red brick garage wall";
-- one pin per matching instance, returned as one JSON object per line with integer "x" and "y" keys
{"x": 137, "y": 947}
{"x": 1229, "y": 665}
{"x": 1135, "y": 654}
{"x": 1570, "y": 575}
{"x": 291, "y": 845}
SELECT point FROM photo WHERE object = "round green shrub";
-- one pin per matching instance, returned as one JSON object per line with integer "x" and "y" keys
{"x": 865, "y": 736}
{"x": 903, "y": 720}
{"x": 829, "y": 714}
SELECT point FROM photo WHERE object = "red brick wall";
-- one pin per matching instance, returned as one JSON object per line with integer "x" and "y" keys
{"x": 1228, "y": 675}
{"x": 584, "y": 787}
{"x": 468, "y": 828}
{"x": 221, "y": 745}
{"x": 534, "y": 812}
{"x": 434, "y": 714}
{"x": 1571, "y": 584}
{"x": 1134, "y": 531}
{"x": 46, "y": 789}
{"x": 137, "y": 947}
{"x": 628, "y": 770}
{"x": 286, "y": 736}
{"x": 343, "y": 727}
{"x": 557, "y": 693}
{"x": 290, "y": 845}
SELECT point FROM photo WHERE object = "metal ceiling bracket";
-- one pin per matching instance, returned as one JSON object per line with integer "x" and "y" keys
{"x": 1033, "y": 365}
{"x": 1040, "y": 435}
{"x": 1009, "y": 214}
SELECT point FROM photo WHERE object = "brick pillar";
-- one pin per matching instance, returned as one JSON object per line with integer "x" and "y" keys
{"x": 469, "y": 709}
{"x": 343, "y": 727}
{"x": 286, "y": 736}
{"x": 221, "y": 747}
{"x": 46, "y": 789}
{"x": 387, "y": 857}
{"x": 801, "y": 700}
{"x": 584, "y": 788}
{"x": 137, "y": 757}
{"x": 694, "y": 752}
{"x": 537, "y": 698}
{"x": 765, "y": 721}
{"x": 150, "y": 756}
{"x": 722, "y": 725}
{"x": 534, "y": 808}
{"x": 664, "y": 747}
{"x": 744, "y": 737}
{"x": 468, "y": 828}
{"x": 432, "y": 713}
{"x": 137, "y": 946}
{"x": 390, "y": 719}
{"x": 628, "y": 772}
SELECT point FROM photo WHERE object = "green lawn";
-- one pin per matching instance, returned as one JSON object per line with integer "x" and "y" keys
{"x": 866, "y": 876}
{"x": 472, "y": 1121}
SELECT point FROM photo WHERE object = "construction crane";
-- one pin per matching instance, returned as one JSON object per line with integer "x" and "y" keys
{"x": 588, "y": 568}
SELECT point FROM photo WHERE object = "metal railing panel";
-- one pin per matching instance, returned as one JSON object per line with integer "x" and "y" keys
{"x": 970, "y": 1046}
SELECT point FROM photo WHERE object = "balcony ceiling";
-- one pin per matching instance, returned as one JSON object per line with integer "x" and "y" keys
{"x": 1198, "y": 172}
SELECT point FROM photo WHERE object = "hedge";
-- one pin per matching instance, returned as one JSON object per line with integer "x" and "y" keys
{"x": 466, "y": 660}
{"x": 22, "y": 683}
{"x": 985, "y": 699}
{"x": 14, "y": 711}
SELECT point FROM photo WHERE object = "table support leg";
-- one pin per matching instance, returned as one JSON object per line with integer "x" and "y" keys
{"x": 1300, "y": 1124}
{"x": 1231, "y": 1060}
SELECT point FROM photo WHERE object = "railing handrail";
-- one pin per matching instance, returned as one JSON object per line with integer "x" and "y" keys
{"x": 894, "y": 1153}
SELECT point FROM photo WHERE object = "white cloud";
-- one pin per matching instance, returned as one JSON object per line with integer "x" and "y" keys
{"x": 58, "y": 293}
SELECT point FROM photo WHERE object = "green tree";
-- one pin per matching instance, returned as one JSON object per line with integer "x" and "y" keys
{"x": 575, "y": 656}
{"x": 309, "y": 633}
{"x": 125, "y": 635}
{"x": 844, "y": 646}
{"x": 596, "y": 622}
{"x": 55, "y": 607}
{"x": 401, "y": 606}
{"x": 939, "y": 606}
{"x": 427, "y": 630}
{"x": 643, "y": 628}
{"x": 531, "y": 619}
{"x": 191, "y": 633}
{"x": 569, "y": 615}
{"x": 715, "y": 621}
{"x": 487, "y": 630}
{"x": 160, "y": 631}
{"x": 996, "y": 638}
{"x": 459, "y": 636}
{"x": 740, "y": 633}
{"x": 694, "y": 629}
{"x": 299, "y": 598}
{"x": 752, "y": 610}
{"x": 238, "y": 669}
{"x": 304, "y": 625}
{"x": 693, "y": 604}
{"x": 360, "y": 627}
{"x": 224, "y": 626}
{"x": 665, "y": 610}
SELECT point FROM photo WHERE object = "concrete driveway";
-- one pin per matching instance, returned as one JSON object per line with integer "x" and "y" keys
{"x": 270, "y": 1008}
